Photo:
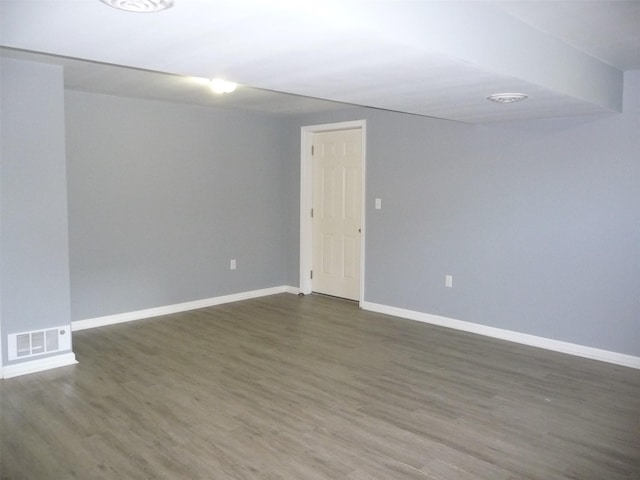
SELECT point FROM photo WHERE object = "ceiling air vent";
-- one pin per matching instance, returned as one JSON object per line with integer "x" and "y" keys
{"x": 507, "y": 97}
{"x": 140, "y": 6}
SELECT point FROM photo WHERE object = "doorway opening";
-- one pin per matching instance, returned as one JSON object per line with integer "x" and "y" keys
{"x": 342, "y": 255}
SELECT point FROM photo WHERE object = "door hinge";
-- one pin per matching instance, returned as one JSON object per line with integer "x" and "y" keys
{"x": 312, "y": 213}
{"x": 311, "y": 275}
{"x": 313, "y": 150}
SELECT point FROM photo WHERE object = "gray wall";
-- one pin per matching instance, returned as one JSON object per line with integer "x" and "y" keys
{"x": 538, "y": 222}
{"x": 34, "y": 256}
{"x": 163, "y": 195}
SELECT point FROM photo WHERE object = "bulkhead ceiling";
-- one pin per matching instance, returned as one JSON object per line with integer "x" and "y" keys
{"x": 436, "y": 58}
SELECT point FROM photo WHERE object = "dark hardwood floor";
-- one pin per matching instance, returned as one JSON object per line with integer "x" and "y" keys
{"x": 289, "y": 387}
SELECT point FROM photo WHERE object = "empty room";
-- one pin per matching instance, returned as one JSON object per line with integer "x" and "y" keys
{"x": 319, "y": 240}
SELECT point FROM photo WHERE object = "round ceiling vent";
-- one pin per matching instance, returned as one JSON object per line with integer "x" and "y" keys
{"x": 507, "y": 97}
{"x": 140, "y": 6}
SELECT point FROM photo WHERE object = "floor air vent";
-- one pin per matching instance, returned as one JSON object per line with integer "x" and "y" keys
{"x": 38, "y": 342}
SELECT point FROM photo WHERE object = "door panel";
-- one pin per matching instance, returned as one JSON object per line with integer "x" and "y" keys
{"x": 337, "y": 193}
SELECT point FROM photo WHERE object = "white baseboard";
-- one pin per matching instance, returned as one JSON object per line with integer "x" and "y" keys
{"x": 516, "y": 337}
{"x": 176, "y": 308}
{"x": 33, "y": 366}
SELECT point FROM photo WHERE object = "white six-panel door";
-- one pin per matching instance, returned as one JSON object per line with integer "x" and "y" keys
{"x": 337, "y": 193}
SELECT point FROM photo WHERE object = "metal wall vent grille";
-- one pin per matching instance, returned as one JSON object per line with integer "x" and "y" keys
{"x": 38, "y": 342}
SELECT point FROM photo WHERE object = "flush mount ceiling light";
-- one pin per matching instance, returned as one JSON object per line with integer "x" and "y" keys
{"x": 507, "y": 97}
{"x": 219, "y": 85}
{"x": 140, "y": 6}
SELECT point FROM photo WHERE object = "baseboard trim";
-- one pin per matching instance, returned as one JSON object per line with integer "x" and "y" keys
{"x": 39, "y": 365}
{"x": 176, "y": 308}
{"x": 509, "y": 335}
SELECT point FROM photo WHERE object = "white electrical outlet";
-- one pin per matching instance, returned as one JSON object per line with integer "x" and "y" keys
{"x": 378, "y": 203}
{"x": 232, "y": 264}
{"x": 448, "y": 281}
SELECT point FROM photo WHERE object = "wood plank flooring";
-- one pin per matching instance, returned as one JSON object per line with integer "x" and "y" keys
{"x": 289, "y": 387}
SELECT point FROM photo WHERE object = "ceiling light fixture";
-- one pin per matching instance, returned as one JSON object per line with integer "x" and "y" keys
{"x": 219, "y": 85}
{"x": 140, "y": 6}
{"x": 507, "y": 97}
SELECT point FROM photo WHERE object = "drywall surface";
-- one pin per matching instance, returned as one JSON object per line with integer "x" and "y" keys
{"x": 34, "y": 264}
{"x": 163, "y": 196}
{"x": 537, "y": 222}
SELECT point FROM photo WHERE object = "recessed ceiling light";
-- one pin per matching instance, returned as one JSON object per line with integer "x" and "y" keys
{"x": 219, "y": 85}
{"x": 140, "y": 6}
{"x": 507, "y": 97}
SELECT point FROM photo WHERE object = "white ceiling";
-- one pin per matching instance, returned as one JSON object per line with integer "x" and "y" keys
{"x": 433, "y": 58}
{"x": 85, "y": 76}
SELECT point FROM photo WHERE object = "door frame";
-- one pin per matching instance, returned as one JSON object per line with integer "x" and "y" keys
{"x": 306, "y": 198}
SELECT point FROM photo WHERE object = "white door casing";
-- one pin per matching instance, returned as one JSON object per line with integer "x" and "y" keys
{"x": 334, "y": 272}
